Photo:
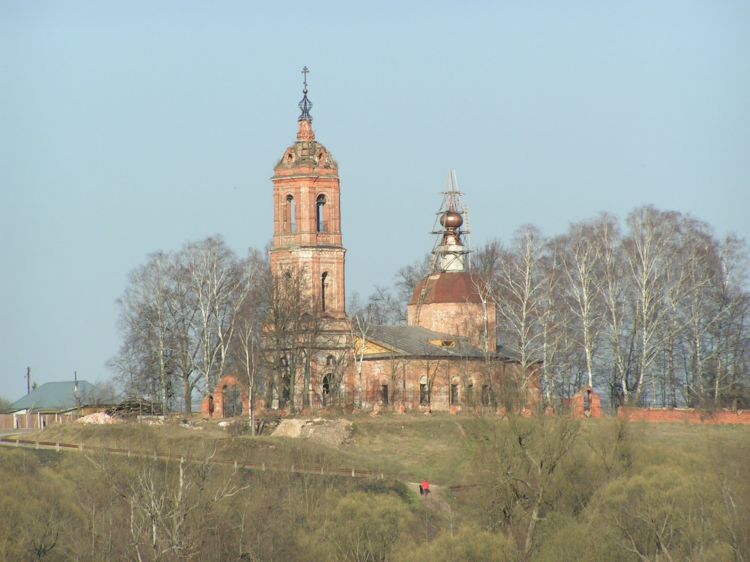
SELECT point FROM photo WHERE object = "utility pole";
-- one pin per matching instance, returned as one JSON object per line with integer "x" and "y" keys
{"x": 76, "y": 394}
{"x": 28, "y": 380}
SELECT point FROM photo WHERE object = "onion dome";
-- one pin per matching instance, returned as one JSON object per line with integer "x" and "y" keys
{"x": 451, "y": 219}
{"x": 306, "y": 153}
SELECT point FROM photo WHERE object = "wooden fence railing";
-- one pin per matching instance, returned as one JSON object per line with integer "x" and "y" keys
{"x": 258, "y": 466}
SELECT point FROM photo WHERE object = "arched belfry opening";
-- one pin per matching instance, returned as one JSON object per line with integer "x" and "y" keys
{"x": 320, "y": 219}
{"x": 290, "y": 214}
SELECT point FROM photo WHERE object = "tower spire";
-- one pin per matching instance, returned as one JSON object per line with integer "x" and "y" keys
{"x": 449, "y": 252}
{"x": 305, "y": 105}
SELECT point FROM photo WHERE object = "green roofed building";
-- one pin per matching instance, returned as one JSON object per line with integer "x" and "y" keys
{"x": 53, "y": 402}
{"x": 55, "y": 397}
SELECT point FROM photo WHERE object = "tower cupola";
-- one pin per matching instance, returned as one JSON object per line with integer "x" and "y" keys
{"x": 452, "y": 298}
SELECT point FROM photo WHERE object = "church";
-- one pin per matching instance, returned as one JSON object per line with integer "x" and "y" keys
{"x": 445, "y": 358}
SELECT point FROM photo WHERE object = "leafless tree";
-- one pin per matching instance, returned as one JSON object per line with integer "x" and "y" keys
{"x": 407, "y": 279}
{"x": 646, "y": 250}
{"x": 144, "y": 361}
{"x": 219, "y": 284}
{"x": 518, "y": 292}
{"x": 178, "y": 316}
{"x": 612, "y": 288}
{"x": 518, "y": 466}
{"x": 185, "y": 348}
{"x": 289, "y": 316}
{"x": 688, "y": 272}
{"x": 170, "y": 504}
{"x": 729, "y": 331}
{"x": 558, "y": 349}
{"x": 580, "y": 263}
{"x": 246, "y": 354}
{"x": 361, "y": 324}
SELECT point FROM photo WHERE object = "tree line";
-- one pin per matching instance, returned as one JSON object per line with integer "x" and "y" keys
{"x": 185, "y": 316}
{"x": 190, "y": 316}
{"x": 656, "y": 312}
{"x": 652, "y": 311}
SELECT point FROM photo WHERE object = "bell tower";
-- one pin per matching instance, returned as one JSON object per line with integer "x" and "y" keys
{"x": 307, "y": 217}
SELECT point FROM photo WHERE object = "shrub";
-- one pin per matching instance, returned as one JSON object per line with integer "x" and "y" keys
{"x": 470, "y": 543}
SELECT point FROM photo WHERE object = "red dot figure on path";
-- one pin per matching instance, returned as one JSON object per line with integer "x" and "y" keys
{"x": 425, "y": 487}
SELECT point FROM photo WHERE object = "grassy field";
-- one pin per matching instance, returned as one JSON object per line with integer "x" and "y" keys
{"x": 505, "y": 489}
{"x": 439, "y": 447}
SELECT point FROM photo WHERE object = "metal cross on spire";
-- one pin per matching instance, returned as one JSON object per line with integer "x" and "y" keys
{"x": 305, "y": 104}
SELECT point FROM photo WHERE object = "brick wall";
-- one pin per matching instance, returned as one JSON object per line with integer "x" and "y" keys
{"x": 227, "y": 382}
{"x": 586, "y": 404}
{"x": 685, "y": 415}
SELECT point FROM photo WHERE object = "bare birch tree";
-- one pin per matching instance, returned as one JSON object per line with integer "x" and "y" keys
{"x": 250, "y": 315}
{"x": 646, "y": 248}
{"x": 361, "y": 324}
{"x": 146, "y": 326}
{"x": 557, "y": 361}
{"x": 518, "y": 297}
{"x": 220, "y": 284}
{"x": 183, "y": 318}
{"x": 580, "y": 263}
{"x": 730, "y": 330}
{"x": 613, "y": 290}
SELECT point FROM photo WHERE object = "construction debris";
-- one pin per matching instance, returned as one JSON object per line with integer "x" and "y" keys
{"x": 329, "y": 432}
{"x": 98, "y": 418}
{"x": 136, "y": 407}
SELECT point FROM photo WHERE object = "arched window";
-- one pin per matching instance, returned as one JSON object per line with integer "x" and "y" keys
{"x": 290, "y": 215}
{"x": 285, "y": 392}
{"x": 424, "y": 391}
{"x": 326, "y": 389}
{"x": 320, "y": 213}
{"x": 323, "y": 287}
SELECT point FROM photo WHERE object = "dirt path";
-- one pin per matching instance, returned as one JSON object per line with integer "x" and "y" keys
{"x": 435, "y": 500}
{"x": 461, "y": 429}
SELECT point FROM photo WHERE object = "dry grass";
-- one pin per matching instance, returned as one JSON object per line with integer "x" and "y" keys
{"x": 439, "y": 447}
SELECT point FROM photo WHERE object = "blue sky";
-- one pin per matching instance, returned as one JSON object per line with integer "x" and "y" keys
{"x": 128, "y": 127}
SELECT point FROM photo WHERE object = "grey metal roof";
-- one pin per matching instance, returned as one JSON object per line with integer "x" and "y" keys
{"x": 417, "y": 341}
{"x": 57, "y": 396}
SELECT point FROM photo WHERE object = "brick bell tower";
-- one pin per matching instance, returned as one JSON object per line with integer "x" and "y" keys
{"x": 307, "y": 217}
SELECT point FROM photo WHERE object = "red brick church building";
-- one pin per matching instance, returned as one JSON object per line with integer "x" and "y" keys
{"x": 445, "y": 358}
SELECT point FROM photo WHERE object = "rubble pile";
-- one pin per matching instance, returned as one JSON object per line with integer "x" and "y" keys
{"x": 329, "y": 432}
{"x": 98, "y": 418}
{"x": 136, "y": 407}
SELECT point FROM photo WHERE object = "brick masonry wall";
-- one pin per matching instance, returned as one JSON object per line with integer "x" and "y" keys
{"x": 404, "y": 376}
{"x": 586, "y": 404}
{"x": 679, "y": 415}
{"x": 462, "y": 319}
{"x": 227, "y": 381}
